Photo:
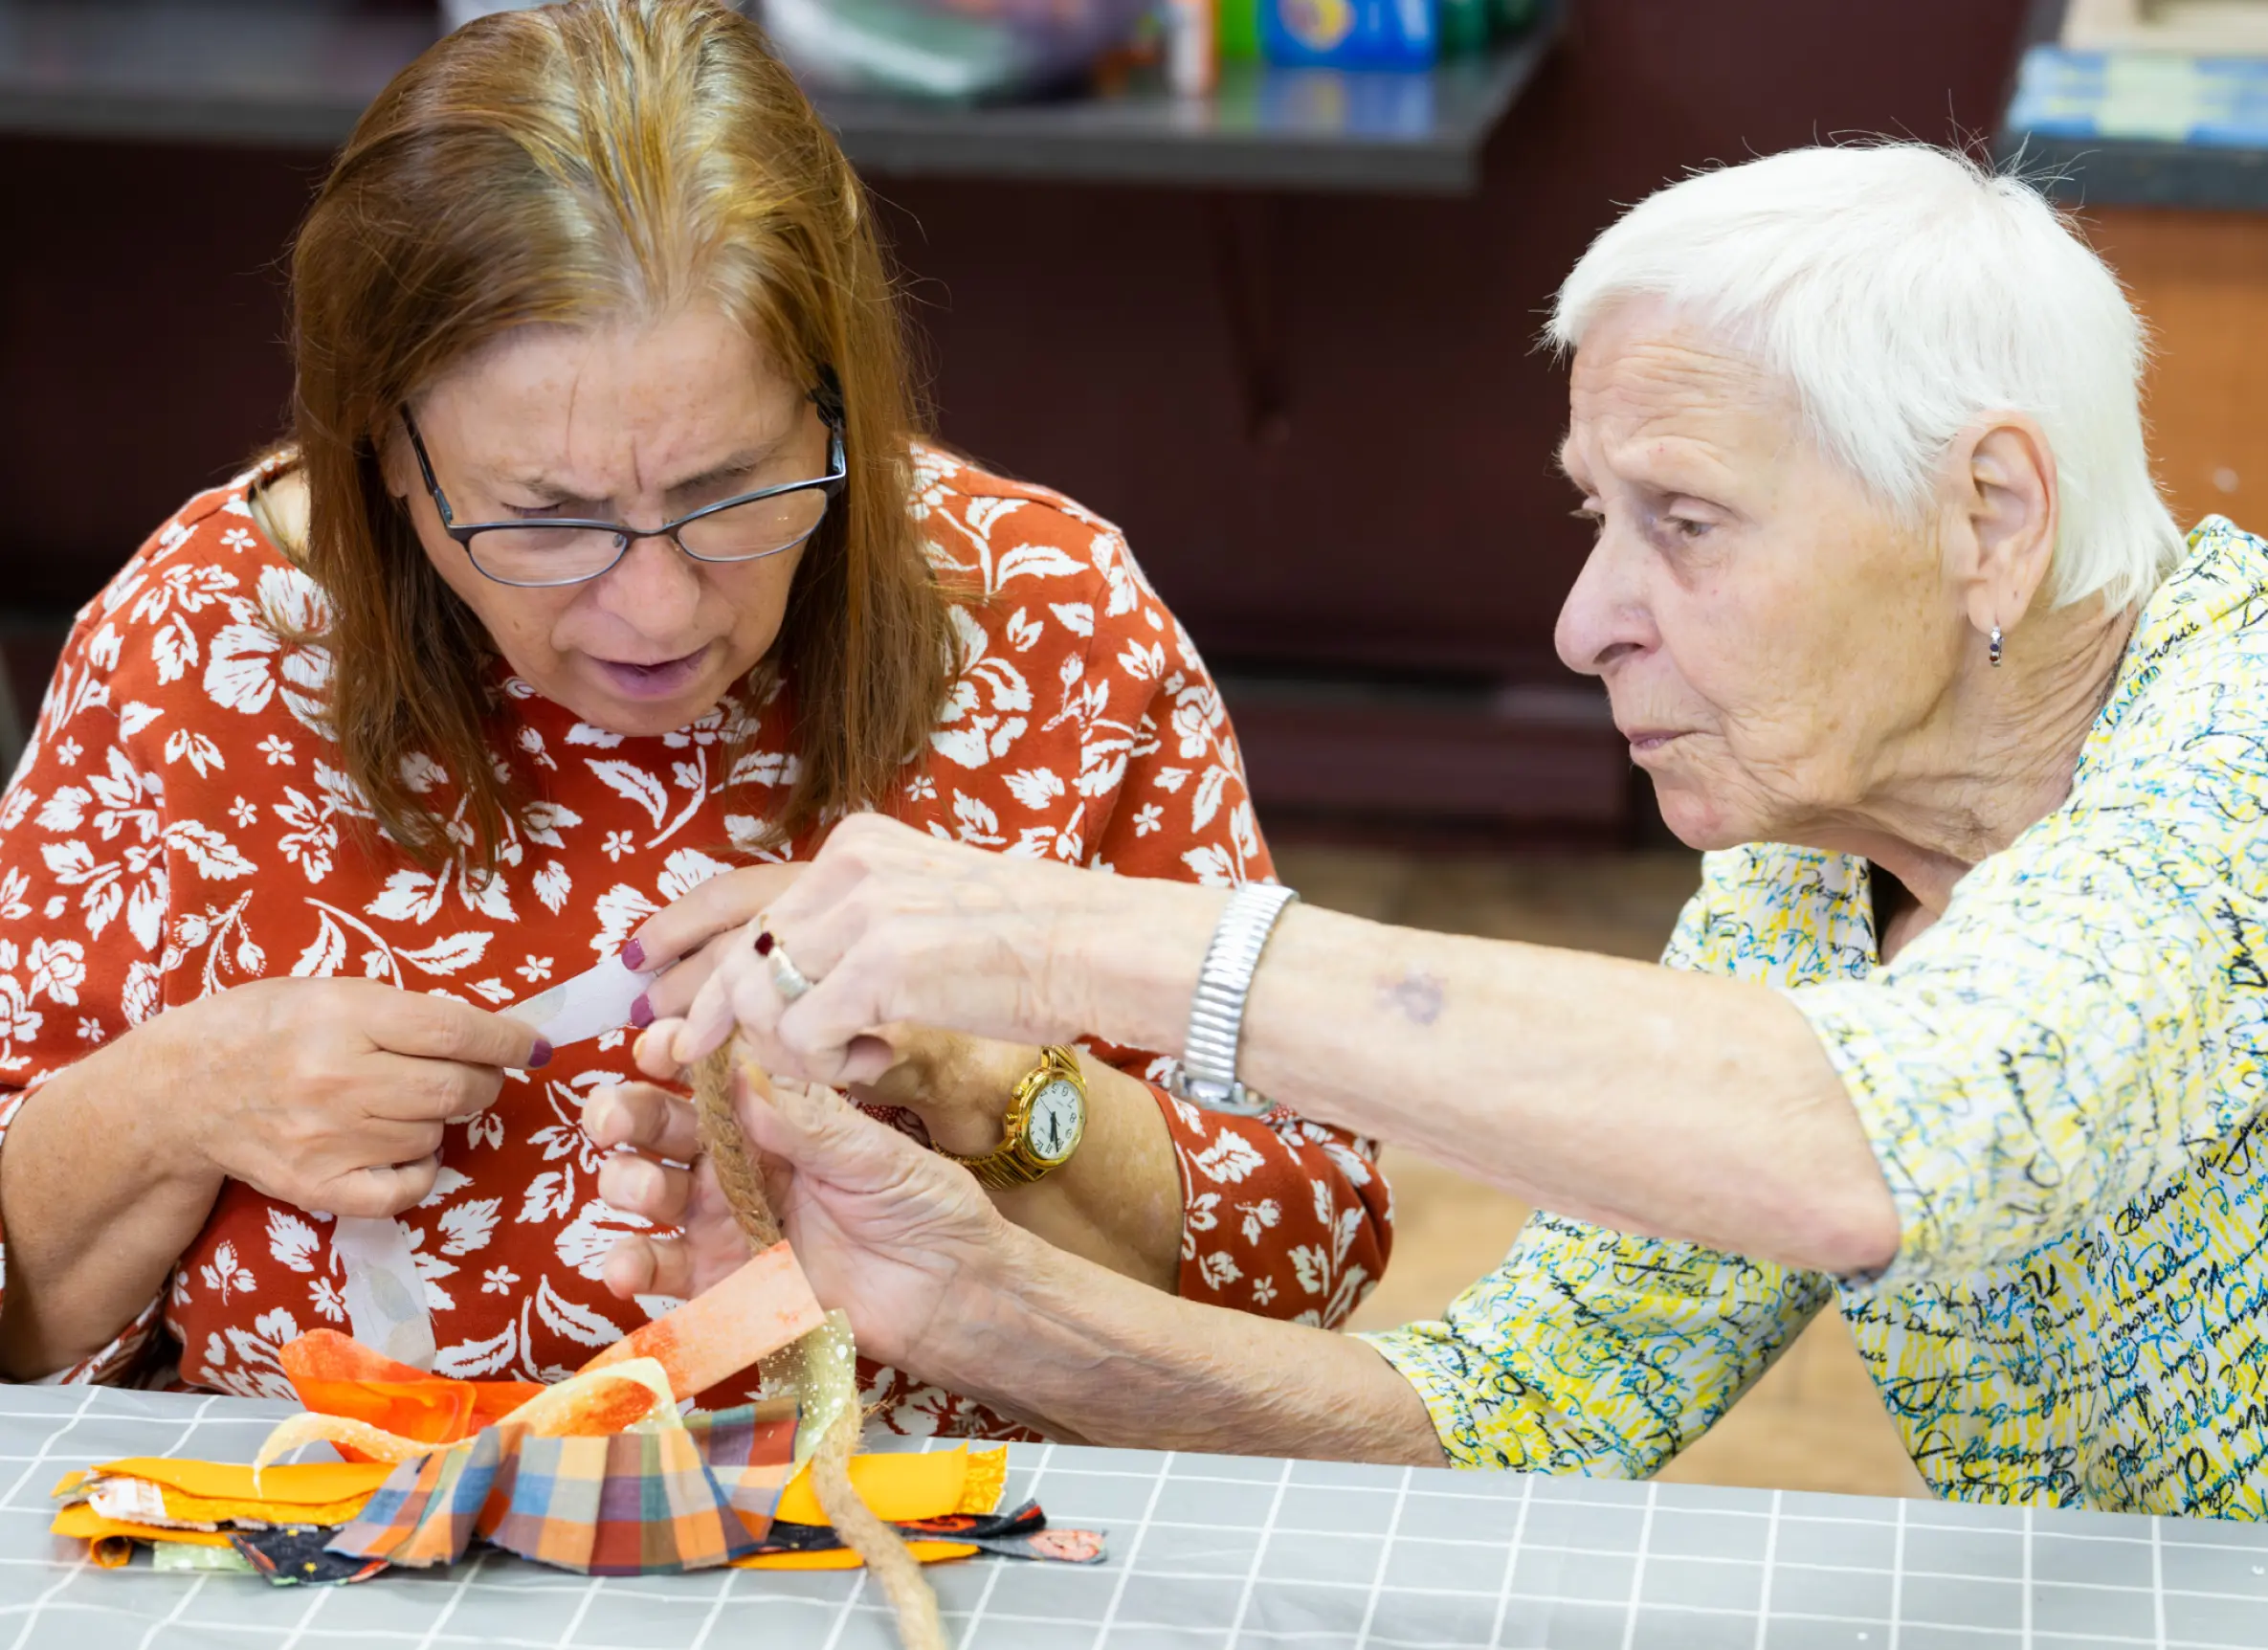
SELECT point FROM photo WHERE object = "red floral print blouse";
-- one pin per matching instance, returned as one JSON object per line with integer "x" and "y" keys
{"x": 180, "y": 826}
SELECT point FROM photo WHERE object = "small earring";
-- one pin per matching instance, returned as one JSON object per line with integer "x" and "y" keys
{"x": 1993, "y": 652}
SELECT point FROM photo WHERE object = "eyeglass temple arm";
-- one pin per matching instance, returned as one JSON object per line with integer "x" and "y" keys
{"x": 425, "y": 468}
{"x": 828, "y": 397}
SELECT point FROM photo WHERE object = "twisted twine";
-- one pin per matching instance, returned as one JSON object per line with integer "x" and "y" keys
{"x": 883, "y": 1550}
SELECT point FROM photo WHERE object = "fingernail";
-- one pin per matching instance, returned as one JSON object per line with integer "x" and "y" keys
{"x": 540, "y": 1057}
{"x": 763, "y": 944}
{"x": 634, "y": 958}
{"x": 641, "y": 1011}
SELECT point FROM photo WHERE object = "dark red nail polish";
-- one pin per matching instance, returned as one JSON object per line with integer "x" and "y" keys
{"x": 641, "y": 1011}
{"x": 763, "y": 944}
{"x": 540, "y": 1055}
{"x": 634, "y": 956}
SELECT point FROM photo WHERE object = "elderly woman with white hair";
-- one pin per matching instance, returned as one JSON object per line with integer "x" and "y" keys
{"x": 1965, "y": 1032}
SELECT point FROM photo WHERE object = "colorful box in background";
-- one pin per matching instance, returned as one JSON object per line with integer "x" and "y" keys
{"x": 1351, "y": 33}
{"x": 1240, "y": 30}
{"x": 2147, "y": 96}
{"x": 1369, "y": 33}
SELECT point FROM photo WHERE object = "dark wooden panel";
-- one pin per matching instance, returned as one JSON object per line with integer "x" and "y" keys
{"x": 1388, "y": 758}
{"x": 1402, "y": 509}
{"x": 141, "y": 341}
{"x": 1322, "y": 420}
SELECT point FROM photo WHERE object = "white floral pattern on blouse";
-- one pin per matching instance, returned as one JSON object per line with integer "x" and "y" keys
{"x": 182, "y": 825}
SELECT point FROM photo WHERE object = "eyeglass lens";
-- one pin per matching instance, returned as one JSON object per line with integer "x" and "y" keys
{"x": 541, "y": 554}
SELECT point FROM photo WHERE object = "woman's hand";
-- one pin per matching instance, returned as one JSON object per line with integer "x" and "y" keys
{"x": 653, "y": 1139}
{"x": 959, "y": 1086}
{"x": 683, "y": 942}
{"x": 894, "y": 1235}
{"x": 327, "y": 1095}
{"x": 331, "y": 1094}
{"x": 895, "y": 926}
{"x": 938, "y": 1283}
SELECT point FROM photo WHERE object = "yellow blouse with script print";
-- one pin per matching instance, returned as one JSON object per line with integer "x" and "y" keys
{"x": 2063, "y": 1080}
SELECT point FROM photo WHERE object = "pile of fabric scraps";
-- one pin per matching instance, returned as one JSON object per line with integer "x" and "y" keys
{"x": 602, "y": 1474}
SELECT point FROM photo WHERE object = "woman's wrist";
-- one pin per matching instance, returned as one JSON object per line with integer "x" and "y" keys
{"x": 959, "y": 1086}
{"x": 173, "y": 1055}
{"x": 1004, "y": 1348}
{"x": 1128, "y": 956}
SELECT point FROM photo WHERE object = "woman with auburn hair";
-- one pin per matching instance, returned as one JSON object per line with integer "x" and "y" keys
{"x": 604, "y": 574}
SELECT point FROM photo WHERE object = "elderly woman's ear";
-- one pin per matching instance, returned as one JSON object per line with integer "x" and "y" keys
{"x": 2000, "y": 519}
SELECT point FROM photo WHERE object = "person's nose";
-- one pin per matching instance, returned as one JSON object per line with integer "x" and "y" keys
{"x": 1605, "y": 617}
{"x": 655, "y": 589}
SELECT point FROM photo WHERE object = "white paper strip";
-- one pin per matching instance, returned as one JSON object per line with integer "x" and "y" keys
{"x": 385, "y": 1306}
{"x": 589, "y": 1005}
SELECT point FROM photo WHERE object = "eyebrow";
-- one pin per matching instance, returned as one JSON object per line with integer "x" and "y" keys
{"x": 735, "y": 467}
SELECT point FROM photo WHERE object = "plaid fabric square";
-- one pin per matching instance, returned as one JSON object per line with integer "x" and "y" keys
{"x": 751, "y": 1455}
{"x": 428, "y": 1510}
{"x": 633, "y": 1504}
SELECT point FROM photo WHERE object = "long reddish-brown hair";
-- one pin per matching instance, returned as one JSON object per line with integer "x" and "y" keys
{"x": 586, "y": 163}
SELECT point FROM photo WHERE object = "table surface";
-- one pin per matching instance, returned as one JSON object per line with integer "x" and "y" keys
{"x": 301, "y": 72}
{"x": 1206, "y": 1553}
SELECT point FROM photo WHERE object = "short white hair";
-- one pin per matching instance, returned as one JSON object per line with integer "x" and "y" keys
{"x": 1905, "y": 293}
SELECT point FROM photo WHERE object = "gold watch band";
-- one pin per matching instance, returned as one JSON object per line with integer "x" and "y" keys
{"x": 1015, "y": 1162}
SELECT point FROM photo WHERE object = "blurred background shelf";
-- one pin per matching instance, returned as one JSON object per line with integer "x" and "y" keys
{"x": 1315, "y": 404}
{"x": 2147, "y": 114}
{"x": 298, "y": 72}
{"x": 2150, "y": 118}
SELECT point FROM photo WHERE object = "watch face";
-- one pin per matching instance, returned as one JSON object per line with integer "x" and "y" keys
{"x": 1057, "y": 1114}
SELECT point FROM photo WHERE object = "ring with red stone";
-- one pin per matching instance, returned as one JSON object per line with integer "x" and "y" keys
{"x": 789, "y": 980}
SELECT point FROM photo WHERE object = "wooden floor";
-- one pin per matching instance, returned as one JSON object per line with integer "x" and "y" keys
{"x": 1813, "y": 1422}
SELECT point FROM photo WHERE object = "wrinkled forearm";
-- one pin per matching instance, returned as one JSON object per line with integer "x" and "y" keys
{"x": 1088, "y": 1355}
{"x": 97, "y": 1204}
{"x": 1660, "y": 1103}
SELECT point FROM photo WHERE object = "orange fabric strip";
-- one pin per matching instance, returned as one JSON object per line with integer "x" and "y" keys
{"x": 83, "y": 1523}
{"x": 720, "y": 1331}
{"x": 843, "y": 1558}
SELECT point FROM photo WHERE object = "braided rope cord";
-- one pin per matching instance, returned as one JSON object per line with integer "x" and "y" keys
{"x": 892, "y": 1566}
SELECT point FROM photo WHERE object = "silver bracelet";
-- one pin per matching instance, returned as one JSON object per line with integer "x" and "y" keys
{"x": 1208, "y": 1074}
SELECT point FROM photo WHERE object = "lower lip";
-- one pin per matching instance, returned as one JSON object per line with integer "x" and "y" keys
{"x": 1654, "y": 741}
{"x": 663, "y": 681}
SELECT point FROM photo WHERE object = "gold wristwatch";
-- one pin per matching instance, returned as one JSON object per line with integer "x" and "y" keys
{"x": 1045, "y": 1121}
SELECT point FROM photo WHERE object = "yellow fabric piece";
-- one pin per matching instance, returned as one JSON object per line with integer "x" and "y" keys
{"x": 843, "y": 1558}
{"x": 203, "y": 1509}
{"x": 987, "y": 1482}
{"x": 900, "y": 1487}
{"x": 305, "y": 1483}
{"x": 83, "y": 1523}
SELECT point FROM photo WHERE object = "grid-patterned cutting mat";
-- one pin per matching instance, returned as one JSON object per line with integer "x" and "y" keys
{"x": 1208, "y": 1551}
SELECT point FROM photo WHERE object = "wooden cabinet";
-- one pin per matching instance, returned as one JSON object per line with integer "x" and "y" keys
{"x": 2201, "y": 280}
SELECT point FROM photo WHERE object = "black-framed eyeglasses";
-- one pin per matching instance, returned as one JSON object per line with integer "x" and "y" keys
{"x": 566, "y": 551}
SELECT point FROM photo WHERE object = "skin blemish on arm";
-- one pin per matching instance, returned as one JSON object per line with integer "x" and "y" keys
{"x": 1418, "y": 997}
